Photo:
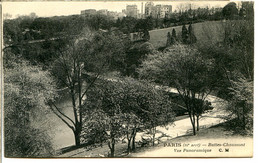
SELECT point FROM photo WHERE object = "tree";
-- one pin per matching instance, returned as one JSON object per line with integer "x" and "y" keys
{"x": 7, "y": 16}
{"x": 192, "y": 38}
{"x": 78, "y": 68}
{"x": 110, "y": 103}
{"x": 173, "y": 37}
{"x": 200, "y": 107}
{"x": 184, "y": 34}
{"x": 128, "y": 24}
{"x": 146, "y": 36}
{"x": 166, "y": 21}
{"x": 118, "y": 23}
{"x": 184, "y": 69}
{"x": 155, "y": 109}
{"x": 239, "y": 73}
{"x": 247, "y": 10}
{"x": 126, "y": 106}
{"x": 149, "y": 106}
{"x": 241, "y": 105}
{"x": 169, "y": 40}
{"x": 135, "y": 55}
{"x": 230, "y": 10}
{"x": 149, "y": 23}
{"x": 27, "y": 90}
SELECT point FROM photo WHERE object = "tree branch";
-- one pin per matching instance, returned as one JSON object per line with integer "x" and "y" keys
{"x": 71, "y": 127}
{"x": 93, "y": 81}
{"x": 63, "y": 114}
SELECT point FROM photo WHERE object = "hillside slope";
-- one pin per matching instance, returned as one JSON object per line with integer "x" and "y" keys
{"x": 206, "y": 32}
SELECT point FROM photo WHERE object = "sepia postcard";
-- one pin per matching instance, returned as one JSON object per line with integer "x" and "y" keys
{"x": 127, "y": 79}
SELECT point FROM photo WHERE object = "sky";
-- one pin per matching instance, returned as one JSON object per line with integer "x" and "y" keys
{"x": 47, "y": 9}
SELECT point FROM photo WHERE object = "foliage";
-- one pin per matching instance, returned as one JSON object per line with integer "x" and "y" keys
{"x": 240, "y": 42}
{"x": 146, "y": 36}
{"x": 27, "y": 89}
{"x": 173, "y": 37}
{"x": 125, "y": 106}
{"x": 234, "y": 60}
{"x": 247, "y": 10}
{"x": 184, "y": 69}
{"x": 80, "y": 65}
{"x": 234, "y": 56}
{"x": 184, "y": 34}
{"x": 241, "y": 105}
{"x": 239, "y": 36}
{"x": 230, "y": 10}
{"x": 192, "y": 38}
{"x": 134, "y": 57}
{"x": 169, "y": 40}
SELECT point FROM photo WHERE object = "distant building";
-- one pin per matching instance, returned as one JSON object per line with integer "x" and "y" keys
{"x": 165, "y": 10}
{"x": 113, "y": 14}
{"x": 149, "y": 9}
{"x": 158, "y": 11}
{"x": 88, "y": 12}
{"x": 131, "y": 10}
{"x": 102, "y": 12}
{"x": 116, "y": 15}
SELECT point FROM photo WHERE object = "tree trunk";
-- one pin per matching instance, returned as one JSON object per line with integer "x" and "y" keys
{"x": 133, "y": 139}
{"x": 129, "y": 146}
{"x": 154, "y": 132}
{"x": 244, "y": 118}
{"x": 77, "y": 137}
{"x": 192, "y": 123}
{"x": 113, "y": 149}
{"x": 129, "y": 138}
{"x": 198, "y": 127}
{"x": 111, "y": 146}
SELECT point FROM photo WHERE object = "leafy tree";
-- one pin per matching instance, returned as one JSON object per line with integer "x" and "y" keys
{"x": 128, "y": 24}
{"x": 77, "y": 69}
{"x": 155, "y": 110}
{"x": 184, "y": 34}
{"x": 146, "y": 36}
{"x": 239, "y": 37}
{"x": 173, "y": 37}
{"x": 157, "y": 23}
{"x": 239, "y": 40}
{"x": 149, "y": 22}
{"x": 247, "y": 10}
{"x": 135, "y": 55}
{"x": 192, "y": 38}
{"x": 184, "y": 69}
{"x": 169, "y": 40}
{"x": 166, "y": 21}
{"x": 145, "y": 24}
{"x": 118, "y": 22}
{"x": 200, "y": 107}
{"x": 230, "y": 10}
{"x": 27, "y": 90}
{"x": 149, "y": 107}
{"x": 126, "y": 106}
{"x": 241, "y": 105}
{"x": 109, "y": 104}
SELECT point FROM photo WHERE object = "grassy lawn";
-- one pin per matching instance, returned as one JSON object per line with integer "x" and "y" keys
{"x": 206, "y": 32}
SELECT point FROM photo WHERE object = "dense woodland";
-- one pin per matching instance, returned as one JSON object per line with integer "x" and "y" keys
{"x": 48, "y": 58}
